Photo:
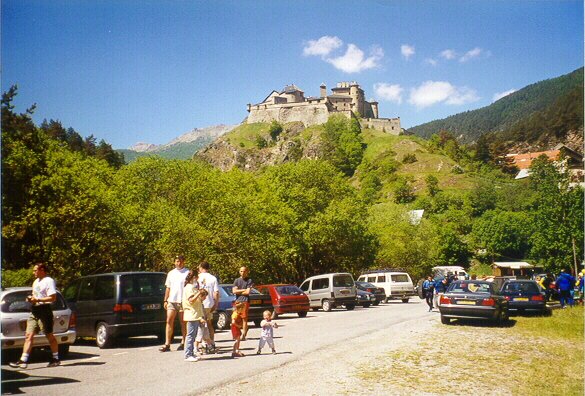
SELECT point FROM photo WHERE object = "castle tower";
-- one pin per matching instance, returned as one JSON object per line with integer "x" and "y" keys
{"x": 374, "y": 105}
{"x": 323, "y": 89}
{"x": 357, "y": 98}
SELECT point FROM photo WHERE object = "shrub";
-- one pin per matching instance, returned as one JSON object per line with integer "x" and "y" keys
{"x": 409, "y": 158}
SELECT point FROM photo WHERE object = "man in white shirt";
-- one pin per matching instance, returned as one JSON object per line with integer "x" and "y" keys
{"x": 41, "y": 318}
{"x": 173, "y": 299}
{"x": 209, "y": 282}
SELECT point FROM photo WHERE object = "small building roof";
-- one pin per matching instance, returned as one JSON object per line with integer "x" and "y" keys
{"x": 524, "y": 173}
{"x": 523, "y": 161}
{"x": 291, "y": 88}
{"x": 512, "y": 264}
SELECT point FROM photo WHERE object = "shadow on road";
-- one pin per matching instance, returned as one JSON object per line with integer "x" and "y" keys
{"x": 13, "y": 381}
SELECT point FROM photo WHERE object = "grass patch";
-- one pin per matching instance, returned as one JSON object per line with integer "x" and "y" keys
{"x": 537, "y": 355}
{"x": 245, "y": 135}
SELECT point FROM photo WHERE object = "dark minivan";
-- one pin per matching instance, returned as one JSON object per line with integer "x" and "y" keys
{"x": 120, "y": 304}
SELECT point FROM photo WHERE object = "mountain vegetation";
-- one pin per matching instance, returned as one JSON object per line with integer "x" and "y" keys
{"x": 289, "y": 201}
{"x": 547, "y": 109}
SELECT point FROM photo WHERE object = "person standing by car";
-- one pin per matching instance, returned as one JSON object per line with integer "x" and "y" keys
{"x": 440, "y": 287}
{"x": 242, "y": 287}
{"x": 41, "y": 318}
{"x": 428, "y": 287}
{"x": 564, "y": 285}
{"x": 209, "y": 283}
{"x": 546, "y": 284}
{"x": 172, "y": 302}
{"x": 193, "y": 313}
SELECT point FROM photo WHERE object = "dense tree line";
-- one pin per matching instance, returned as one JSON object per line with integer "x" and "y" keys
{"x": 85, "y": 213}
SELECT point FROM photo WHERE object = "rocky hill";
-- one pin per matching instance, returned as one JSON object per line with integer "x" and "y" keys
{"x": 182, "y": 147}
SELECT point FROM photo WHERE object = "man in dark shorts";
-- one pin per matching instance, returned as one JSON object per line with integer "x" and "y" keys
{"x": 41, "y": 318}
{"x": 242, "y": 287}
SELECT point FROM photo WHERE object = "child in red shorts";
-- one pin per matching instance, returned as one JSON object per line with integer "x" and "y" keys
{"x": 237, "y": 324}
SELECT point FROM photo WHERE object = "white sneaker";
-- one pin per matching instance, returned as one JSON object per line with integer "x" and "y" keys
{"x": 193, "y": 359}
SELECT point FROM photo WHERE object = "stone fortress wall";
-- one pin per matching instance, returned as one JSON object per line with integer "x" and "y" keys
{"x": 347, "y": 98}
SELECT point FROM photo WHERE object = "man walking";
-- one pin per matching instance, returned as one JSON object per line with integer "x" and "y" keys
{"x": 209, "y": 283}
{"x": 41, "y": 318}
{"x": 242, "y": 287}
{"x": 173, "y": 302}
{"x": 428, "y": 288}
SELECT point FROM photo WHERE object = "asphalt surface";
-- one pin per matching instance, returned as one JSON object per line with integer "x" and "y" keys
{"x": 135, "y": 366}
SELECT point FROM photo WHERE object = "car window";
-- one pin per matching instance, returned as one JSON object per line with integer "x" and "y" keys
{"x": 368, "y": 285}
{"x": 470, "y": 287}
{"x": 322, "y": 283}
{"x": 87, "y": 288}
{"x": 142, "y": 285}
{"x": 305, "y": 286}
{"x": 342, "y": 281}
{"x": 362, "y": 278}
{"x": 381, "y": 278}
{"x": 104, "y": 288}
{"x": 288, "y": 290}
{"x": 525, "y": 287}
{"x": 16, "y": 302}
{"x": 70, "y": 292}
{"x": 373, "y": 279}
{"x": 228, "y": 290}
{"x": 399, "y": 278}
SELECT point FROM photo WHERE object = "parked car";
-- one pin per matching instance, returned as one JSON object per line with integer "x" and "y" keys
{"x": 119, "y": 304}
{"x": 472, "y": 300}
{"x": 396, "y": 284}
{"x": 258, "y": 303}
{"x": 364, "y": 298}
{"x": 329, "y": 291}
{"x": 524, "y": 295}
{"x": 222, "y": 316}
{"x": 15, "y": 311}
{"x": 286, "y": 299}
{"x": 377, "y": 291}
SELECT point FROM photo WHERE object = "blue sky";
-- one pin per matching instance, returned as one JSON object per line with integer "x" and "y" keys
{"x": 149, "y": 71}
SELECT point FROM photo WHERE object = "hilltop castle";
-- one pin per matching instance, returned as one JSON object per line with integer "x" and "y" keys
{"x": 347, "y": 98}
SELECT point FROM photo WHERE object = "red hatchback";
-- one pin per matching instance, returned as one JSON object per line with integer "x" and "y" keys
{"x": 286, "y": 299}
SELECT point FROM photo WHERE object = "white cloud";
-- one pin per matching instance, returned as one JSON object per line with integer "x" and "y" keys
{"x": 474, "y": 53}
{"x": 322, "y": 46}
{"x": 448, "y": 54}
{"x": 431, "y": 61}
{"x": 389, "y": 92}
{"x": 500, "y": 95}
{"x": 433, "y": 92}
{"x": 407, "y": 50}
{"x": 354, "y": 61}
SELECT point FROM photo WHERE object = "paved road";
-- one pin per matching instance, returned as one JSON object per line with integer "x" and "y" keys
{"x": 136, "y": 366}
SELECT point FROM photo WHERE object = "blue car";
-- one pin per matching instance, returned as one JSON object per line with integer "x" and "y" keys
{"x": 222, "y": 316}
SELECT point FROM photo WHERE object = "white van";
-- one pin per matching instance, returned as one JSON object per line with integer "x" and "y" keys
{"x": 397, "y": 285}
{"x": 445, "y": 270}
{"x": 328, "y": 291}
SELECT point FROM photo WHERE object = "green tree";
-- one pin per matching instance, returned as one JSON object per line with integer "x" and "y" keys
{"x": 432, "y": 185}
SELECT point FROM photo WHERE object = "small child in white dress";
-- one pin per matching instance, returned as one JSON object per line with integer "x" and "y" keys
{"x": 266, "y": 337}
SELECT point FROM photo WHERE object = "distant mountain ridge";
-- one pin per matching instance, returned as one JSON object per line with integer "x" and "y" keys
{"x": 505, "y": 112}
{"x": 182, "y": 147}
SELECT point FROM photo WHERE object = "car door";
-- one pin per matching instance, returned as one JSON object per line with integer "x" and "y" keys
{"x": 86, "y": 307}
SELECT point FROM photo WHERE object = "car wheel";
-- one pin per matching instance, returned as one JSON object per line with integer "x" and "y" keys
{"x": 222, "y": 321}
{"x": 503, "y": 318}
{"x": 63, "y": 350}
{"x": 302, "y": 314}
{"x": 103, "y": 338}
{"x": 326, "y": 305}
{"x": 366, "y": 305}
{"x": 405, "y": 300}
{"x": 349, "y": 307}
{"x": 445, "y": 320}
{"x": 257, "y": 322}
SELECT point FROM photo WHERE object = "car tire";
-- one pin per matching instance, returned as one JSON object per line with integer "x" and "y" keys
{"x": 63, "y": 350}
{"x": 302, "y": 314}
{"x": 503, "y": 318}
{"x": 349, "y": 307}
{"x": 445, "y": 320}
{"x": 223, "y": 321}
{"x": 366, "y": 305}
{"x": 326, "y": 305}
{"x": 405, "y": 300}
{"x": 257, "y": 322}
{"x": 103, "y": 338}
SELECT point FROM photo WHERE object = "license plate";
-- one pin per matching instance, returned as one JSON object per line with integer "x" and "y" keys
{"x": 148, "y": 307}
{"x": 255, "y": 302}
{"x": 521, "y": 299}
{"x": 465, "y": 302}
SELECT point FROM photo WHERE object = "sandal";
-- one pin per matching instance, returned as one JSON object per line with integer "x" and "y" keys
{"x": 164, "y": 348}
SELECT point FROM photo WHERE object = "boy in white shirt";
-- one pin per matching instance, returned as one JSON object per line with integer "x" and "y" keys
{"x": 173, "y": 297}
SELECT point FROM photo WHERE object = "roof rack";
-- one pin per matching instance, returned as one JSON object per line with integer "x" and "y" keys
{"x": 384, "y": 270}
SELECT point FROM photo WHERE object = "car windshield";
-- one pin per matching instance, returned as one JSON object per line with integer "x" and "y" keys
{"x": 365, "y": 285}
{"x": 289, "y": 290}
{"x": 16, "y": 302}
{"x": 142, "y": 285}
{"x": 342, "y": 281}
{"x": 470, "y": 287}
{"x": 524, "y": 287}
{"x": 228, "y": 290}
